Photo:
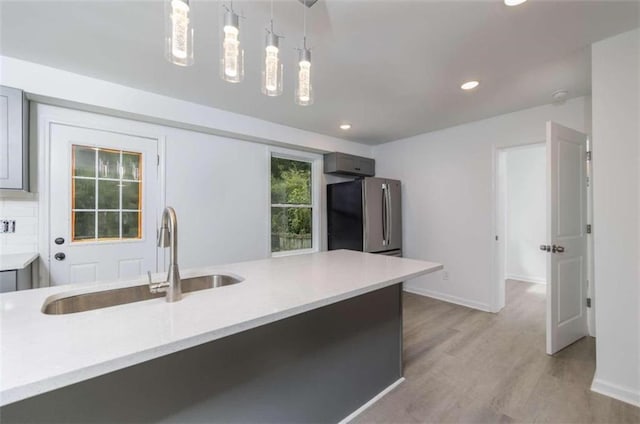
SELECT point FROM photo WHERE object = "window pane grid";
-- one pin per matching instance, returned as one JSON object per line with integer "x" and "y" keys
{"x": 105, "y": 185}
{"x": 291, "y": 204}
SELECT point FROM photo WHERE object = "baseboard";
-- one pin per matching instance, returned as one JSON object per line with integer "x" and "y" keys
{"x": 526, "y": 279}
{"x": 371, "y": 401}
{"x": 624, "y": 394}
{"x": 449, "y": 298}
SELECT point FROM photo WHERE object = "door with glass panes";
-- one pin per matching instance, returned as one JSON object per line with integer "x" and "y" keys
{"x": 103, "y": 201}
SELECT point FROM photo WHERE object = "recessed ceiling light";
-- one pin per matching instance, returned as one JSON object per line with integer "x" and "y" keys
{"x": 345, "y": 126}
{"x": 513, "y": 2}
{"x": 470, "y": 85}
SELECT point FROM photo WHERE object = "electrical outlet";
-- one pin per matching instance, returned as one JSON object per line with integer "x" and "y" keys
{"x": 445, "y": 275}
{"x": 7, "y": 226}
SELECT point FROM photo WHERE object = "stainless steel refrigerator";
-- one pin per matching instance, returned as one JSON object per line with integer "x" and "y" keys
{"x": 365, "y": 215}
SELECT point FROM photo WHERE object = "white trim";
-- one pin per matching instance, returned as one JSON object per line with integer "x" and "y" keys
{"x": 624, "y": 394}
{"x": 449, "y": 298}
{"x": 373, "y": 400}
{"x": 316, "y": 202}
{"x": 526, "y": 279}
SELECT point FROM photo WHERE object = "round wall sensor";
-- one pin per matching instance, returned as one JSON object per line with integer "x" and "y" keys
{"x": 559, "y": 96}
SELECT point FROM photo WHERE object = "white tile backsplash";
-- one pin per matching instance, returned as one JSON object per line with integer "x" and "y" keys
{"x": 25, "y": 213}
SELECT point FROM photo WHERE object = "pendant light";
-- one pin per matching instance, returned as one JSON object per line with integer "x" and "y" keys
{"x": 232, "y": 53}
{"x": 304, "y": 89}
{"x": 272, "y": 67}
{"x": 178, "y": 45}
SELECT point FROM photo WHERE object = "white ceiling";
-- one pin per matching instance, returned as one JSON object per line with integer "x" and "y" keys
{"x": 392, "y": 68}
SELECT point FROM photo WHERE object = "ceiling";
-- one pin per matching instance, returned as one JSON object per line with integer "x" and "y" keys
{"x": 391, "y": 68}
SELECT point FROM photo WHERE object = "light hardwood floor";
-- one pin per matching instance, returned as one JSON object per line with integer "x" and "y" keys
{"x": 467, "y": 366}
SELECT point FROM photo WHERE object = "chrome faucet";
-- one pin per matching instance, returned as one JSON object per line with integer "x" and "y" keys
{"x": 168, "y": 237}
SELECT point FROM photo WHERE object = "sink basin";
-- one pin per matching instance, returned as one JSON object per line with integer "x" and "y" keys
{"x": 106, "y": 298}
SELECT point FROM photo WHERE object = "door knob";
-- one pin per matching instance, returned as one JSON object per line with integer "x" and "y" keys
{"x": 59, "y": 240}
{"x": 557, "y": 249}
{"x": 545, "y": 248}
{"x": 59, "y": 256}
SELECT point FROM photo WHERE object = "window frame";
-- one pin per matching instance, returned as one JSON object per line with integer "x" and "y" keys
{"x": 316, "y": 168}
{"x": 97, "y": 210}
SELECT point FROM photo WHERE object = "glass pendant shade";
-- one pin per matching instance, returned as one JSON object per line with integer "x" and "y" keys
{"x": 178, "y": 46}
{"x": 272, "y": 67}
{"x": 232, "y": 54}
{"x": 304, "y": 89}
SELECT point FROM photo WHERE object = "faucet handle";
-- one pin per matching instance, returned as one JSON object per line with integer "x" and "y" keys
{"x": 156, "y": 287}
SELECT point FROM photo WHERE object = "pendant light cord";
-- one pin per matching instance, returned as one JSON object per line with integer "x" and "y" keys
{"x": 272, "y": 16}
{"x": 304, "y": 25}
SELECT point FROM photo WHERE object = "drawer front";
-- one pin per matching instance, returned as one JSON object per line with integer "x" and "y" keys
{"x": 8, "y": 281}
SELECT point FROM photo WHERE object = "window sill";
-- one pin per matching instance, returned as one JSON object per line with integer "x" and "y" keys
{"x": 292, "y": 253}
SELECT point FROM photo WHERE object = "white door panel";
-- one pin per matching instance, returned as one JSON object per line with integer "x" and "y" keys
{"x": 566, "y": 227}
{"x": 104, "y": 195}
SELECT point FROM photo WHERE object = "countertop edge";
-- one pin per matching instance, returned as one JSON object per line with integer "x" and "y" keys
{"x": 24, "y": 262}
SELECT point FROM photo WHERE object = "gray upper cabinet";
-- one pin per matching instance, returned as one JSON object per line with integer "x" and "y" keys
{"x": 14, "y": 154}
{"x": 344, "y": 164}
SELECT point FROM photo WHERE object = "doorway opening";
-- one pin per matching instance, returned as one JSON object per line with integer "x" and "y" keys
{"x": 522, "y": 220}
{"x": 542, "y": 229}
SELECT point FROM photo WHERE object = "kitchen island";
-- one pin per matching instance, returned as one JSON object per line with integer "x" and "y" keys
{"x": 301, "y": 338}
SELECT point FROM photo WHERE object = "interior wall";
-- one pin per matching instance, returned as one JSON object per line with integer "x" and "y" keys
{"x": 219, "y": 187}
{"x": 62, "y": 88}
{"x": 448, "y": 196}
{"x": 616, "y": 180}
{"x": 25, "y": 238}
{"x": 526, "y": 211}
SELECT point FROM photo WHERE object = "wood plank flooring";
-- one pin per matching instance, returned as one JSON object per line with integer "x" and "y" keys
{"x": 468, "y": 366}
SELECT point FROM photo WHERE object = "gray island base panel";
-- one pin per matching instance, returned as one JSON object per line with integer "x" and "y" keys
{"x": 316, "y": 367}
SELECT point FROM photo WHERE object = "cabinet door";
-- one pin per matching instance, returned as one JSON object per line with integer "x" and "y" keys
{"x": 347, "y": 163}
{"x": 13, "y": 153}
{"x": 8, "y": 281}
{"x": 366, "y": 167}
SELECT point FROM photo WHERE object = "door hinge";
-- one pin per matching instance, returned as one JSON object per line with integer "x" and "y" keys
{"x": 588, "y": 228}
{"x": 158, "y": 160}
{"x": 588, "y": 155}
{"x": 588, "y": 302}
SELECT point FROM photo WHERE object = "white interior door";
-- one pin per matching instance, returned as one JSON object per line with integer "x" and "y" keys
{"x": 566, "y": 228}
{"x": 103, "y": 201}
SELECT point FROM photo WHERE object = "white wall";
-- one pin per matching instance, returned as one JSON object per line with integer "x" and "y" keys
{"x": 25, "y": 213}
{"x": 616, "y": 175}
{"x": 526, "y": 213}
{"x": 448, "y": 198}
{"x": 63, "y": 88}
{"x": 219, "y": 188}
{"x": 217, "y": 161}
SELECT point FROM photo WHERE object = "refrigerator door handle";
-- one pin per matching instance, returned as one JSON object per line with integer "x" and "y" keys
{"x": 384, "y": 214}
{"x": 388, "y": 214}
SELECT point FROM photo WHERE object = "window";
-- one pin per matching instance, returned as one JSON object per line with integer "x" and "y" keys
{"x": 106, "y": 194}
{"x": 293, "y": 211}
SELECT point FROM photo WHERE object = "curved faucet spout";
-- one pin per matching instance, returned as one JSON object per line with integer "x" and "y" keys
{"x": 168, "y": 237}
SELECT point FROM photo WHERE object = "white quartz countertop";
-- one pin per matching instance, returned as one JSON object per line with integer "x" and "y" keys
{"x": 16, "y": 261}
{"x": 42, "y": 352}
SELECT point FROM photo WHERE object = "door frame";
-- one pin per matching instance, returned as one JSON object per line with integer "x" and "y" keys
{"x": 46, "y": 116}
{"x": 498, "y": 249}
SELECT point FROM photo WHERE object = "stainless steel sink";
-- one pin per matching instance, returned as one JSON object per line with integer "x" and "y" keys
{"x": 106, "y": 298}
